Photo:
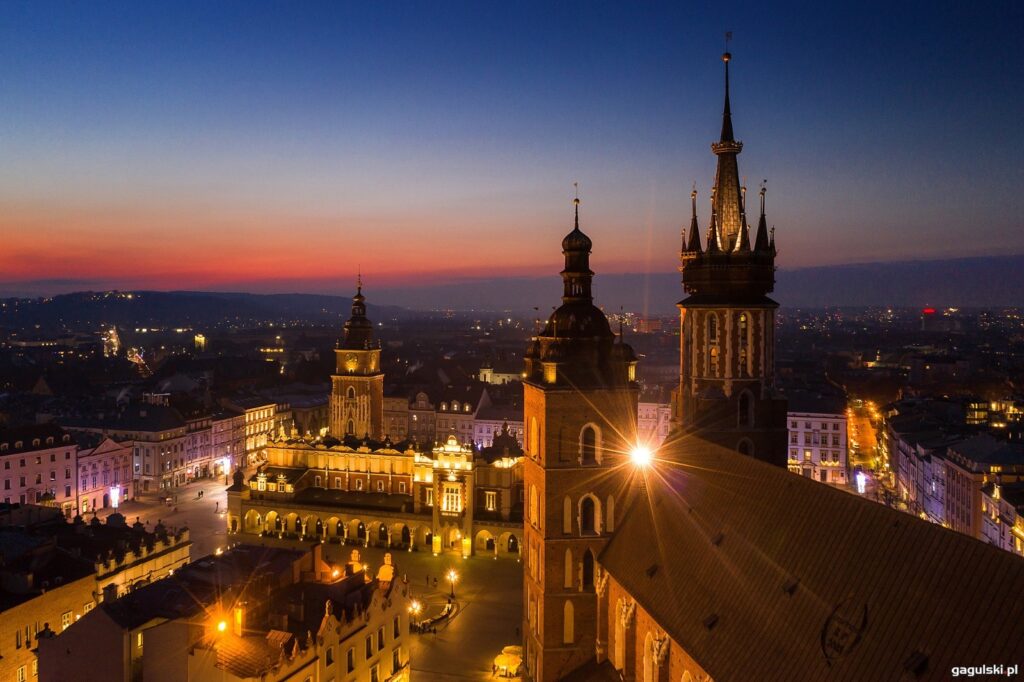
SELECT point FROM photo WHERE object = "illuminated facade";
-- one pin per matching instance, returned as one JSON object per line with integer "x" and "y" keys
{"x": 104, "y": 475}
{"x": 357, "y": 385}
{"x": 580, "y": 406}
{"x": 38, "y": 466}
{"x": 727, "y": 392}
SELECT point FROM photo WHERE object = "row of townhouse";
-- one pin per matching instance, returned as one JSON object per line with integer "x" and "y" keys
{"x": 963, "y": 478}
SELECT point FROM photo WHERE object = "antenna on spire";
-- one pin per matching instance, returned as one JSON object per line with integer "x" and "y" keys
{"x": 359, "y": 277}
{"x": 764, "y": 190}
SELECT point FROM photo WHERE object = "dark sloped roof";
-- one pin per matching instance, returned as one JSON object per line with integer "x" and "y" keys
{"x": 761, "y": 574}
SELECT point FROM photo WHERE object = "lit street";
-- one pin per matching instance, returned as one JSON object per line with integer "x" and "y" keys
{"x": 204, "y": 516}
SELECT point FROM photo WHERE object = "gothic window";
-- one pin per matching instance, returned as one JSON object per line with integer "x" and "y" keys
{"x": 350, "y": 428}
{"x": 350, "y": 393}
{"x": 567, "y": 630}
{"x": 713, "y": 361}
{"x": 711, "y": 344}
{"x": 590, "y": 516}
{"x": 567, "y": 516}
{"x": 588, "y": 571}
{"x": 568, "y": 578}
{"x": 712, "y": 328}
{"x": 533, "y": 504}
{"x": 588, "y": 445}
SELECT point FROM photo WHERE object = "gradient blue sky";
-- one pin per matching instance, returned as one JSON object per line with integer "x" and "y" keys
{"x": 275, "y": 146}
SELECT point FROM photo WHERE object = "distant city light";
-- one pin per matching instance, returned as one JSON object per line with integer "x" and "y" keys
{"x": 641, "y": 455}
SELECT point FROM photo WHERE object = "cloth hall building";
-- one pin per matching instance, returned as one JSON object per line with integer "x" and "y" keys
{"x": 707, "y": 559}
{"x": 356, "y": 486}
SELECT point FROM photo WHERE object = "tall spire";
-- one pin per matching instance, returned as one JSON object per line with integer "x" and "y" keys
{"x": 761, "y": 242}
{"x": 727, "y": 194}
{"x": 713, "y": 246}
{"x": 358, "y": 329}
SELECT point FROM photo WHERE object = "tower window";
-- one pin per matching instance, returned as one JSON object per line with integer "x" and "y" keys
{"x": 350, "y": 393}
{"x": 712, "y": 328}
{"x": 588, "y": 516}
{"x": 588, "y": 445}
{"x": 588, "y": 570}
{"x": 350, "y": 429}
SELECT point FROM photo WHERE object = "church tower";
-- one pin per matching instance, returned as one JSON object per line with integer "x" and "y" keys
{"x": 357, "y": 385}
{"x": 580, "y": 406}
{"x": 727, "y": 390}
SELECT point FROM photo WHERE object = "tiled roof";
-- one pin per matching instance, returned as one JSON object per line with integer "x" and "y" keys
{"x": 252, "y": 656}
{"x": 760, "y": 574}
{"x": 27, "y": 434}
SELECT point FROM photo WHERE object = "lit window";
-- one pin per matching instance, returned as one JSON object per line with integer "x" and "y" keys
{"x": 452, "y": 501}
{"x": 491, "y": 500}
{"x": 430, "y": 497}
{"x": 65, "y": 620}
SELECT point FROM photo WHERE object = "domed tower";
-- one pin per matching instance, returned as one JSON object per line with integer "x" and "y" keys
{"x": 727, "y": 322}
{"x": 357, "y": 386}
{"x": 580, "y": 403}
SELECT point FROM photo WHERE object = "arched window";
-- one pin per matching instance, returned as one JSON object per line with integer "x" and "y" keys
{"x": 711, "y": 345}
{"x": 746, "y": 410}
{"x": 350, "y": 393}
{"x": 533, "y": 504}
{"x": 588, "y": 444}
{"x": 649, "y": 664}
{"x": 567, "y": 516}
{"x": 588, "y": 571}
{"x": 568, "y": 636}
{"x": 588, "y": 516}
{"x": 713, "y": 361}
{"x": 350, "y": 429}
{"x": 619, "y": 651}
{"x": 712, "y": 328}
{"x": 609, "y": 514}
{"x": 569, "y": 569}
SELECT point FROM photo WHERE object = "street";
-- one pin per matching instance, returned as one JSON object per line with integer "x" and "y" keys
{"x": 204, "y": 516}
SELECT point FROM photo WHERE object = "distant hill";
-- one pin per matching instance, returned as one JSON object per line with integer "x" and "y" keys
{"x": 966, "y": 282}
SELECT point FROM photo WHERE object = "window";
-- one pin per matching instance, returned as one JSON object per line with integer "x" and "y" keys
{"x": 380, "y": 486}
{"x": 491, "y": 500}
{"x": 588, "y": 445}
{"x": 792, "y": 425}
{"x": 369, "y": 647}
{"x": 351, "y": 659}
{"x": 35, "y": 667}
{"x": 568, "y": 636}
{"x": 359, "y": 484}
{"x": 329, "y": 656}
{"x": 380, "y": 638}
{"x": 21, "y": 674}
{"x": 138, "y": 641}
{"x": 430, "y": 497}
{"x": 401, "y": 486}
{"x": 375, "y": 673}
{"x": 452, "y": 501}
{"x": 87, "y": 607}
{"x": 316, "y": 481}
{"x": 588, "y": 513}
{"x": 396, "y": 661}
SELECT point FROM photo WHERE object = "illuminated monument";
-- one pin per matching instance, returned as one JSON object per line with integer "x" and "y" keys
{"x": 357, "y": 385}
{"x": 727, "y": 322}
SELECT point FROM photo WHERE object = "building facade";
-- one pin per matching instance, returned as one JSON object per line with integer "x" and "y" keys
{"x": 818, "y": 437}
{"x": 38, "y": 465}
{"x": 104, "y": 475}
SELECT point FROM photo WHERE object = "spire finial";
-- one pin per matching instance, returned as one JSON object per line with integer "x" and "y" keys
{"x": 764, "y": 190}
{"x": 576, "y": 203}
{"x": 727, "y": 135}
{"x": 359, "y": 278}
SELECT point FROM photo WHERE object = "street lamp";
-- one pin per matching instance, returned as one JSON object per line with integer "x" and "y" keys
{"x": 641, "y": 455}
{"x": 452, "y": 577}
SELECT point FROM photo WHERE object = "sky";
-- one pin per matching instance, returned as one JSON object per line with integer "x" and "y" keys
{"x": 279, "y": 147}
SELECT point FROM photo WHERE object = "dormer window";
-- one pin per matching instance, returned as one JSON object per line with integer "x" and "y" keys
{"x": 35, "y": 442}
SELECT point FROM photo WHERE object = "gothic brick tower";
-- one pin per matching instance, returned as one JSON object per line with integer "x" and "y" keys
{"x": 580, "y": 409}
{"x": 357, "y": 386}
{"x": 727, "y": 322}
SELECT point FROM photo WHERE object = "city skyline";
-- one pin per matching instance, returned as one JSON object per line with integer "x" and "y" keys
{"x": 231, "y": 148}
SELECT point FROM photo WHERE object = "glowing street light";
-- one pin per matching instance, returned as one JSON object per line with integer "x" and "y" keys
{"x": 452, "y": 576}
{"x": 641, "y": 456}
{"x": 415, "y": 607}
{"x": 222, "y": 626}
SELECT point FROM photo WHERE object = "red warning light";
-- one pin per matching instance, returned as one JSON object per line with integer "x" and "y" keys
{"x": 928, "y": 311}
